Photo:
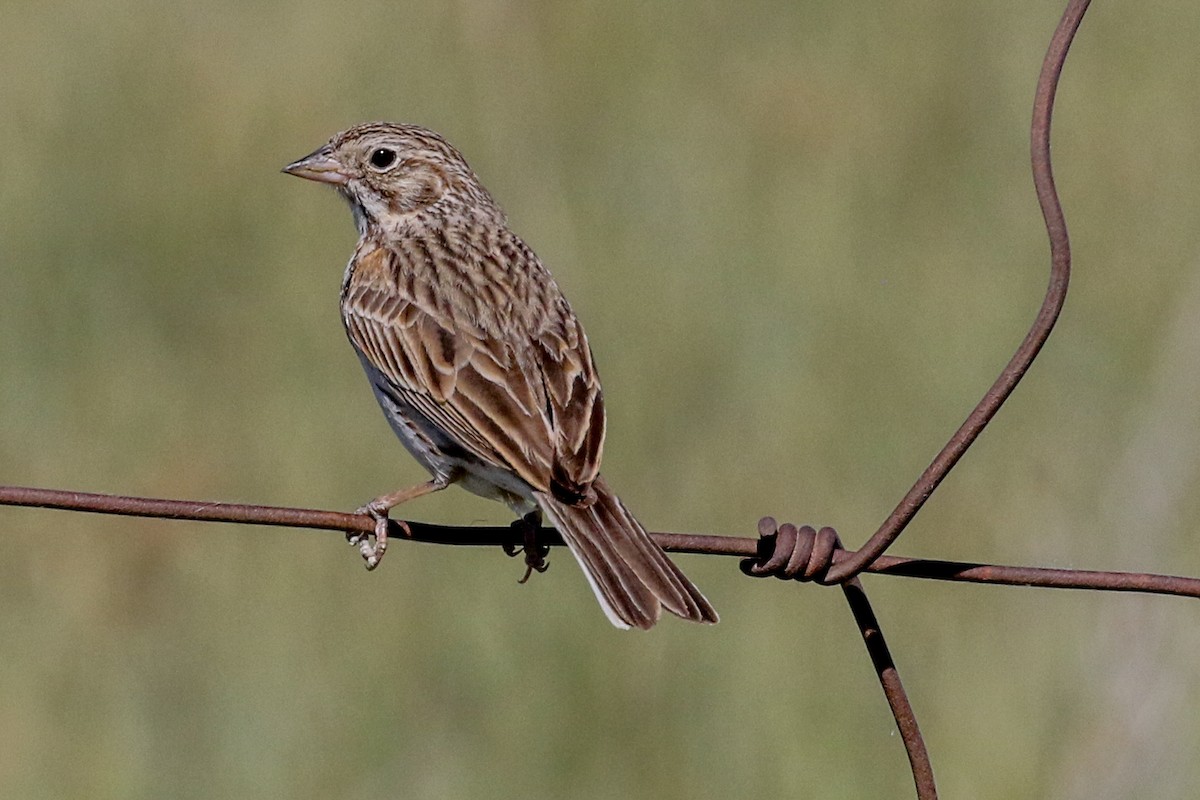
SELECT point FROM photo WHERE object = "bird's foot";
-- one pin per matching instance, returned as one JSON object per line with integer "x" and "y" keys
{"x": 373, "y": 544}
{"x": 535, "y": 554}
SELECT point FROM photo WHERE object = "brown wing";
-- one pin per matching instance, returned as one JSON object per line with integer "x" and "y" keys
{"x": 575, "y": 404}
{"x": 473, "y": 332}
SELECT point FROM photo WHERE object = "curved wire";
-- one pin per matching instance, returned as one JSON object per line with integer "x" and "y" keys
{"x": 1056, "y": 294}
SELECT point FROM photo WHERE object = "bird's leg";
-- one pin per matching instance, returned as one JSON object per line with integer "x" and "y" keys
{"x": 372, "y": 552}
{"x": 535, "y": 554}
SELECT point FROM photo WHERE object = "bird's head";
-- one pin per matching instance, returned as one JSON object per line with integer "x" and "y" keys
{"x": 389, "y": 171}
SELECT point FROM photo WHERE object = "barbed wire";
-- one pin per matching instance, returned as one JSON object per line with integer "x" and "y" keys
{"x": 782, "y": 551}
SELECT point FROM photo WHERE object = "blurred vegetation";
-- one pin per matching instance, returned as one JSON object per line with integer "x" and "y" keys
{"x": 804, "y": 241}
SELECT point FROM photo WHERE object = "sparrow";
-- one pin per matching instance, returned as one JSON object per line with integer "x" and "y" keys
{"x": 481, "y": 367}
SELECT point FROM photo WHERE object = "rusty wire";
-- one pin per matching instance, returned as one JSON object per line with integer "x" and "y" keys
{"x": 765, "y": 548}
{"x": 1056, "y": 294}
{"x": 781, "y": 551}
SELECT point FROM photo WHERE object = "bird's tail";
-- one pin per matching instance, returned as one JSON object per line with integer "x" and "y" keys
{"x": 632, "y": 577}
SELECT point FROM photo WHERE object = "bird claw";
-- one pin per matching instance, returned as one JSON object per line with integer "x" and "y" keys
{"x": 535, "y": 554}
{"x": 535, "y": 564}
{"x": 373, "y": 544}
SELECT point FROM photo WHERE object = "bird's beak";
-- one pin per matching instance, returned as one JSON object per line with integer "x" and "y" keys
{"x": 319, "y": 166}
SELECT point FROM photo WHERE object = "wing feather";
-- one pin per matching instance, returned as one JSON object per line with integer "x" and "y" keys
{"x": 513, "y": 382}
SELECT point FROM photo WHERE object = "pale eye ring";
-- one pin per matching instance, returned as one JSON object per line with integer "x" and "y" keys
{"x": 382, "y": 158}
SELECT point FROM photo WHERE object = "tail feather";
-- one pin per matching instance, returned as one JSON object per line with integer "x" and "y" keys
{"x": 631, "y": 576}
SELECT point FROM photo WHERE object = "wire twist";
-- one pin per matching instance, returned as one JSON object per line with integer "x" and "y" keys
{"x": 793, "y": 554}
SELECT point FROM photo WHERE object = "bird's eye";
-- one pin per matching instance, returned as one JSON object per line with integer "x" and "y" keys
{"x": 383, "y": 158}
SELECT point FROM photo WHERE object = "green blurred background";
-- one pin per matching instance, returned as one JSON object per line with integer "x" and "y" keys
{"x": 804, "y": 241}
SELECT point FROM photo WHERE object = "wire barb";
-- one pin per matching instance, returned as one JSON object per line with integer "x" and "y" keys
{"x": 790, "y": 553}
